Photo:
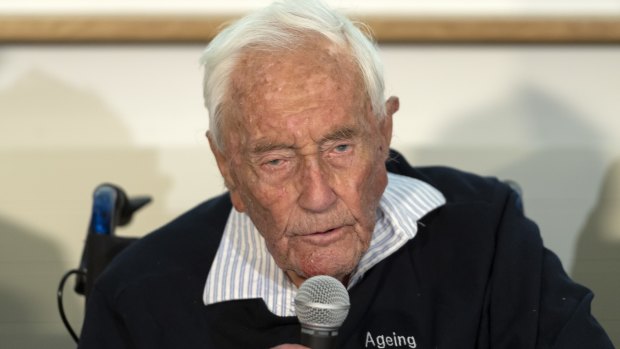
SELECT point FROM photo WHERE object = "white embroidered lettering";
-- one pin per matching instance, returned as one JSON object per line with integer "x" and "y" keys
{"x": 411, "y": 342}
{"x": 380, "y": 342}
{"x": 386, "y": 341}
{"x": 369, "y": 339}
{"x": 400, "y": 340}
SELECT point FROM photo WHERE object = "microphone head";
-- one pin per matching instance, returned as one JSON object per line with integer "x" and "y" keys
{"x": 322, "y": 302}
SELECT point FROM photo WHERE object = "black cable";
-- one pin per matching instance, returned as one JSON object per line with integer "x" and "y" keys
{"x": 61, "y": 309}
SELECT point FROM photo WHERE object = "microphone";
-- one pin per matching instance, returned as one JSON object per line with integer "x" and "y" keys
{"x": 322, "y": 305}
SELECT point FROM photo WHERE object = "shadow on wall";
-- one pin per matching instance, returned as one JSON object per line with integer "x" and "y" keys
{"x": 548, "y": 148}
{"x": 29, "y": 262}
{"x": 597, "y": 257}
{"x": 57, "y": 143}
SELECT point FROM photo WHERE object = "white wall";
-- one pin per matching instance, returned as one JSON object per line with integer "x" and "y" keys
{"x": 74, "y": 116}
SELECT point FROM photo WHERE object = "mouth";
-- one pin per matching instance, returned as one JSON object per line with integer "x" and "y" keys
{"x": 323, "y": 238}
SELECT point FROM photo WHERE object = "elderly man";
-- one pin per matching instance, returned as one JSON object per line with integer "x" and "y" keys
{"x": 301, "y": 132}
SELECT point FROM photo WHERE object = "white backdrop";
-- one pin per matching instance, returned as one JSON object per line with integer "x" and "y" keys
{"x": 74, "y": 116}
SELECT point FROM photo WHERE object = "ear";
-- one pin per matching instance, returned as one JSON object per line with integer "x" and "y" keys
{"x": 224, "y": 165}
{"x": 391, "y": 106}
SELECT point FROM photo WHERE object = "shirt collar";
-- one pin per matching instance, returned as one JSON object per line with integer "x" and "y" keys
{"x": 244, "y": 269}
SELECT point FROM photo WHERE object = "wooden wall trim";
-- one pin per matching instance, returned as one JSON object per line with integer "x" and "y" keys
{"x": 102, "y": 29}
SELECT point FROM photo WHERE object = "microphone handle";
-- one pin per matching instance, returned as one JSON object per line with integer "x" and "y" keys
{"x": 319, "y": 339}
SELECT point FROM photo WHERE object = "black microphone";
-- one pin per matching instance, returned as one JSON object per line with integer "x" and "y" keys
{"x": 322, "y": 305}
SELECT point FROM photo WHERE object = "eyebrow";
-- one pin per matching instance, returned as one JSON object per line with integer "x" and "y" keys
{"x": 345, "y": 133}
{"x": 261, "y": 148}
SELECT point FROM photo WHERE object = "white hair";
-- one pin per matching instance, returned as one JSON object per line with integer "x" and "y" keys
{"x": 282, "y": 25}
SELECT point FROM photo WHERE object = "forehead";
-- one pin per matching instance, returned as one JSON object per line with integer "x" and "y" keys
{"x": 293, "y": 86}
{"x": 263, "y": 77}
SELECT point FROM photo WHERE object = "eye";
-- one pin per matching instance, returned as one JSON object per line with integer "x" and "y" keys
{"x": 274, "y": 162}
{"x": 341, "y": 148}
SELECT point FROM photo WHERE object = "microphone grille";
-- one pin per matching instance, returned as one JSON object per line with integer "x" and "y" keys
{"x": 323, "y": 302}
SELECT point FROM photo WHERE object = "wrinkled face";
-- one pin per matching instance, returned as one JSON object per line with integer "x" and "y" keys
{"x": 304, "y": 158}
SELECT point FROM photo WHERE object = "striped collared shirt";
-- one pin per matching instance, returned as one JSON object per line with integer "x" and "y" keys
{"x": 244, "y": 269}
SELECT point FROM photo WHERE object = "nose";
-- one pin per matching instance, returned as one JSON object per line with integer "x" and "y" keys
{"x": 316, "y": 194}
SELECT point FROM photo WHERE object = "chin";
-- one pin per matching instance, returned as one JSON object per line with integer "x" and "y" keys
{"x": 337, "y": 267}
{"x": 338, "y": 260}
